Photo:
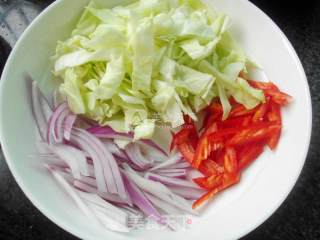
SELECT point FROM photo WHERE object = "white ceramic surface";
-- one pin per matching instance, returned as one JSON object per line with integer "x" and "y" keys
{"x": 264, "y": 186}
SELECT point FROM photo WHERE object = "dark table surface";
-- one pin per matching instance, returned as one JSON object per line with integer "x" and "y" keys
{"x": 297, "y": 218}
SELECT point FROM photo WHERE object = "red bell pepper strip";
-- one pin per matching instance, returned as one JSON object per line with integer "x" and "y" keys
{"x": 228, "y": 181}
{"x": 209, "y": 167}
{"x": 226, "y": 148}
{"x": 230, "y": 160}
{"x": 202, "y": 152}
{"x": 279, "y": 97}
{"x": 261, "y": 112}
{"x": 187, "y": 151}
{"x": 273, "y": 91}
{"x": 253, "y": 135}
{"x": 209, "y": 182}
{"x": 240, "y": 110}
{"x": 188, "y": 134}
{"x": 274, "y": 115}
{"x": 248, "y": 154}
{"x": 235, "y": 122}
{"x": 263, "y": 85}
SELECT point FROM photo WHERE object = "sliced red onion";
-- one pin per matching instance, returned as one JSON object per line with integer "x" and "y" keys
{"x": 59, "y": 128}
{"x": 91, "y": 169}
{"x": 180, "y": 165}
{"x": 188, "y": 193}
{"x": 168, "y": 181}
{"x": 164, "y": 206}
{"x": 51, "y": 160}
{"x": 84, "y": 142}
{"x": 135, "y": 155}
{"x": 68, "y": 125}
{"x": 40, "y": 108}
{"x": 193, "y": 173}
{"x": 168, "y": 209}
{"x": 104, "y": 163}
{"x": 171, "y": 170}
{"x": 153, "y": 145}
{"x": 107, "y": 221}
{"x": 111, "y": 170}
{"x": 109, "y": 209}
{"x": 63, "y": 172}
{"x": 74, "y": 158}
{"x": 74, "y": 195}
{"x": 141, "y": 201}
{"x": 90, "y": 181}
{"x": 93, "y": 183}
{"x": 158, "y": 190}
{"x": 84, "y": 186}
{"x": 45, "y": 106}
{"x": 173, "y": 159}
{"x": 173, "y": 175}
{"x": 114, "y": 149}
{"x": 150, "y": 153}
{"x": 130, "y": 210}
{"x": 56, "y": 122}
{"x": 107, "y": 132}
{"x": 180, "y": 172}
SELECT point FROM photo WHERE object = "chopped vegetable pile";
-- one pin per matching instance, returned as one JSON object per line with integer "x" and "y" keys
{"x": 225, "y": 148}
{"x": 124, "y": 70}
{"x": 116, "y": 182}
{"x": 132, "y": 66}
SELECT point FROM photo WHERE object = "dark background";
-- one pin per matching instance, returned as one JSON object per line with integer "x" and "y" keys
{"x": 299, "y": 216}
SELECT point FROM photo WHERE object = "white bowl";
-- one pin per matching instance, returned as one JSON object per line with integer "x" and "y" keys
{"x": 264, "y": 186}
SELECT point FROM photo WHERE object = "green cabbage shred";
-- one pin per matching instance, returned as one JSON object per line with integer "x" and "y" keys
{"x": 131, "y": 67}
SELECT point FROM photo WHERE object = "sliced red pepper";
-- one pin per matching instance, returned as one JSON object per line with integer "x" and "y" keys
{"x": 273, "y": 91}
{"x": 215, "y": 107}
{"x": 230, "y": 160}
{"x": 206, "y": 197}
{"x": 235, "y": 122}
{"x": 228, "y": 181}
{"x": 227, "y": 147}
{"x": 188, "y": 134}
{"x": 279, "y": 97}
{"x": 263, "y": 85}
{"x": 274, "y": 115}
{"x": 214, "y": 146}
{"x": 187, "y": 119}
{"x": 209, "y": 167}
{"x": 240, "y": 110}
{"x": 209, "y": 182}
{"x": 213, "y": 113}
{"x": 218, "y": 157}
{"x": 202, "y": 152}
{"x": 187, "y": 151}
{"x": 236, "y": 130}
{"x": 232, "y": 101}
{"x": 180, "y": 137}
{"x": 253, "y": 135}
{"x": 261, "y": 112}
{"x": 248, "y": 154}
{"x": 210, "y": 129}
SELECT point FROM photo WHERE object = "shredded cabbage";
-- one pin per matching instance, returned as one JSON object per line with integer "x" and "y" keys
{"x": 133, "y": 66}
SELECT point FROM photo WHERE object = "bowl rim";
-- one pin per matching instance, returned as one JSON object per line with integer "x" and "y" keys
{"x": 83, "y": 235}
